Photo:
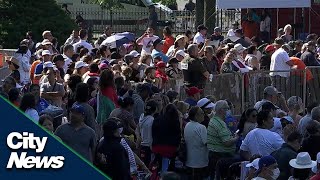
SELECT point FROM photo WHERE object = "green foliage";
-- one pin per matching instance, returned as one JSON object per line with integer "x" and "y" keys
{"x": 166, "y": 2}
{"x": 109, "y": 4}
{"x": 19, "y": 16}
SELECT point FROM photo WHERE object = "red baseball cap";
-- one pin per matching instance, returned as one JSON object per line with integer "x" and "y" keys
{"x": 161, "y": 64}
{"x": 193, "y": 90}
{"x": 269, "y": 48}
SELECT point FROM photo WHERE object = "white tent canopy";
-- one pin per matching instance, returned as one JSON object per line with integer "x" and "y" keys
{"x": 236, "y": 4}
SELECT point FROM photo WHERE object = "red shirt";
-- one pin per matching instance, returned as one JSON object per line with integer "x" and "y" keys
{"x": 164, "y": 77}
{"x": 250, "y": 29}
{"x": 315, "y": 177}
{"x": 111, "y": 93}
{"x": 301, "y": 66}
{"x": 168, "y": 42}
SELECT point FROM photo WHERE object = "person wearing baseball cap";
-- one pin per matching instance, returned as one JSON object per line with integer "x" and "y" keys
{"x": 252, "y": 168}
{"x": 308, "y": 57}
{"x": 216, "y": 36}
{"x": 270, "y": 94}
{"x": 112, "y": 157}
{"x": 161, "y": 72}
{"x": 13, "y": 64}
{"x": 58, "y": 61}
{"x": 207, "y": 106}
{"x": 193, "y": 96}
{"x": 201, "y": 34}
{"x": 180, "y": 55}
{"x": 80, "y": 68}
{"x": 157, "y": 50}
{"x": 266, "y": 57}
{"x": 268, "y": 169}
{"x": 77, "y": 134}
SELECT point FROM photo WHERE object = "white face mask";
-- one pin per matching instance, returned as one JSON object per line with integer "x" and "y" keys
{"x": 211, "y": 114}
{"x": 120, "y": 130}
{"x": 275, "y": 173}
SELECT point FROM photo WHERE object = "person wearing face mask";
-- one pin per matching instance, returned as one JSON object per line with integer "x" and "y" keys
{"x": 111, "y": 157}
{"x": 288, "y": 151}
{"x": 302, "y": 165}
{"x": 268, "y": 169}
{"x": 195, "y": 135}
{"x": 261, "y": 140}
{"x": 221, "y": 142}
{"x": 207, "y": 106}
{"x": 77, "y": 134}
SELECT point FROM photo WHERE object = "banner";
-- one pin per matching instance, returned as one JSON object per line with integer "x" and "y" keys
{"x": 30, "y": 152}
{"x": 236, "y": 4}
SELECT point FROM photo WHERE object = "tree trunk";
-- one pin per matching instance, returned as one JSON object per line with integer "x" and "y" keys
{"x": 199, "y": 12}
{"x": 209, "y": 15}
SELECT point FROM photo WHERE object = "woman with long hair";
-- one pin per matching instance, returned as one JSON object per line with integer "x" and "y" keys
{"x": 104, "y": 53}
{"x": 165, "y": 145}
{"x": 248, "y": 121}
{"x": 28, "y": 106}
{"x": 107, "y": 96}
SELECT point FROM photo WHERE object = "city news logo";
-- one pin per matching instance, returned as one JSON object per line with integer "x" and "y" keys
{"x": 26, "y": 141}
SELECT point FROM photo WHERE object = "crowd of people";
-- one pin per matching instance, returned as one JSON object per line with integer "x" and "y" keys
{"x": 122, "y": 108}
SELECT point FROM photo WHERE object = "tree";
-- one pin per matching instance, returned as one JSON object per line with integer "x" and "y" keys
{"x": 109, "y": 4}
{"x": 167, "y": 2}
{"x": 210, "y": 14}
{"x": 18, "y": 17}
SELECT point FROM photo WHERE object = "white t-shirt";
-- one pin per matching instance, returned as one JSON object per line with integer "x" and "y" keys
{"x": 195, "y": 135}
{"x": 265, "y": 24}
{"x": 261, "y": 141}
{"x": 67, "y": 62}
{"x": 198, "y": 38}
{"x": 83, "y": 43}
{"x": 279, "y": 61}
{"x": 147, "y": 43}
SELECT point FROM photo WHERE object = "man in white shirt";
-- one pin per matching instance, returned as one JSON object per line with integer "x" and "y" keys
{"x": 74, "y": 37}
{"x": 146, "y": 40}
{"x": 195, "y": 135}
{"x": 261, "y": 140}
{"x": 201, "y": 34}
{"x": 235, "y": 26}
{"x": 83, "y": 42}
{"x": 68, "y": 52}
{"x": 280, "y": 61}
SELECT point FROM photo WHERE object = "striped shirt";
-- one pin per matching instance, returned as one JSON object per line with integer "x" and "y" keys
{"x": 218, "y": 132}
{"x": 132, "y": 160}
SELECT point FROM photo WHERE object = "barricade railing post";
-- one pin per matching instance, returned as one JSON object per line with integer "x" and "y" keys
{"x": 243, "y": 100}
{"x": 304, "y": 93}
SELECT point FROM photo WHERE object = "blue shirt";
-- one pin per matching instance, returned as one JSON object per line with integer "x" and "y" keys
{"x": 42, "y": 105}
{"x": 191, "y": 102}
{"x": 156, "y": 53}
{"x": 39, "y": 68}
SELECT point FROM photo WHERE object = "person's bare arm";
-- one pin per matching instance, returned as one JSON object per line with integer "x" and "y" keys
{"x": 206, "y": 43}
{"x": 141, "y": 164}
{"x": 290, "y": 63}
{"x": 140, "y": 38}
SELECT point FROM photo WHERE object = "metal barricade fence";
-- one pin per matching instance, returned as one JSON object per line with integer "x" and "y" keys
{"x": 313, "y": 85}
{"x": 256, "y": 81}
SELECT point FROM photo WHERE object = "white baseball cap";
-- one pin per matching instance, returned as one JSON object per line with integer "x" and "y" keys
{"x": 205, "y": 103}
{"x": 134, "y": 53}
{"x": 181, "y": 53}
{"x": 80, "y": 64}
{"x": 239, "y": 48}
{"x": 48, "y": 65}
{"x": 254, "y": 164}
{"x": 45, "y": 52}
{"x": 315, "y": 168}
{"x": 46, "y": 42}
